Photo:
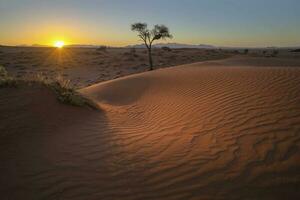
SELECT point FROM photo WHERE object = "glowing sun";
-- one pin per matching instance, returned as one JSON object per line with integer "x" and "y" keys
{"x": 59, "y": 44}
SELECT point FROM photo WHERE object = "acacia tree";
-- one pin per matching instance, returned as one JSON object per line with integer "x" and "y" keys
{"x": 149, "y": 36}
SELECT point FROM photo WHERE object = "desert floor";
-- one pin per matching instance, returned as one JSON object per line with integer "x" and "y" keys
{"x": 225, "y": 129}
{"x": 86, "y": 66}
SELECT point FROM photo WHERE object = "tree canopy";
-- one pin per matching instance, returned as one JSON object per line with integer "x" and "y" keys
{"x": 149, "y": 36}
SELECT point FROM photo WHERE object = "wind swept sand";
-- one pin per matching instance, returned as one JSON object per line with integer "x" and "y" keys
{"x": 225, "y": 129}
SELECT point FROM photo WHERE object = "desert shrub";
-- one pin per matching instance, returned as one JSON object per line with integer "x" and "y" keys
{"x": 64, "y": 91}
{"x": 5, "y": 79}
{"x": 166, "y": 48}
{"x": 67, "y": 95}
{"x": 8, "y": 82}
{"x": 132, "y": 50}
{"x": 295, "y": 51}
{"x": 102, "y": 48}
{"x": 275, "y": 53}
{"x": 3, "y": 72}
{"x": 246, "y": 51}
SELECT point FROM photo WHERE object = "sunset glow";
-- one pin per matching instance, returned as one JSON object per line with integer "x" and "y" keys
{"x": 229, "y": 23}
{"x": 59, "y": 44}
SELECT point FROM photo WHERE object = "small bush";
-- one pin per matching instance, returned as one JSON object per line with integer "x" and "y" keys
{"x": 102, "y": 48}
{"x": 246, "y": 51}
{"x": 166, "y": 48}
{"x": 67, "y": 95}
{"x": 275, "y": 53}
{"x": 132, "y": 51}
{"x": 3, "y": 72}
{"x": 8, "y": 82}
{"x": 64, "y": 91}
{"x": 5, "y": 79}
{"x": 295, "y": 51}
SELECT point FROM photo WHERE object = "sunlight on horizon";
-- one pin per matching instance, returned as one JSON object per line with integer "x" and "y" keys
{"x": 90, "y": 22}
{"x": 59, "y": 44}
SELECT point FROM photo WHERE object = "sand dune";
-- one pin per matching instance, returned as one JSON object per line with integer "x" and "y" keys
{"x": 216, "y": 130}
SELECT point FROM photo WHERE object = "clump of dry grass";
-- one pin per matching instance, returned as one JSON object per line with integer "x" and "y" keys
{"x": 64, "y": 91}
{"x": 5, "y": 79}
{"x": 3, "y": 72}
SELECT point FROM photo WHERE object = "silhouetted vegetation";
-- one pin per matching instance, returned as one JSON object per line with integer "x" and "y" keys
{"x": 166, "y": 48}
{"x": 3, "y": 72}
{"x": 246, "y": 51}
{"x": 64, "y": 91}
{"x": 149, "y": 36}
{"x": 67, "y": 94}
{"x": 5, "y": 79}
{"x": 102, "y": 48}
{"x": 132, "y": 51}
{"x": 295, "y": 50}
{"x": 62, "y": 88}
{"x": 275, "y": 53}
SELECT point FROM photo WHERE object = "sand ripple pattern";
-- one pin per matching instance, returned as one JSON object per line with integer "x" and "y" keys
{"x": 189, "y": 132}
{"x": 200, "y": 132}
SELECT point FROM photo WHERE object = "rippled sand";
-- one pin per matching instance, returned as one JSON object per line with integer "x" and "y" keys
{"x": 217, "y": 130}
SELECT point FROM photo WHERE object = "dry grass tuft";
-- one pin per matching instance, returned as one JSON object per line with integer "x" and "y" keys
{"x": 64, "y": 91}
{"x": 5, "y": 79}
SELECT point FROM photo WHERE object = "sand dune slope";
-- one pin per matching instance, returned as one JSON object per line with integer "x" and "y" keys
{"x": 214, "y": 130}
{"x": 209, "y": 130}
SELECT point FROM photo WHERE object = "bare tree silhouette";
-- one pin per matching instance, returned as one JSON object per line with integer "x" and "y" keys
{"x": 149, "y": 36}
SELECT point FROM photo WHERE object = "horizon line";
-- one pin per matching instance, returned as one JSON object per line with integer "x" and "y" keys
{"x": 140, "y": 44}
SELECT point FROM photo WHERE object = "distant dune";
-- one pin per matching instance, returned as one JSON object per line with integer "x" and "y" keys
{"x": 215, "y": 130}
{"x": 175, "y": 46}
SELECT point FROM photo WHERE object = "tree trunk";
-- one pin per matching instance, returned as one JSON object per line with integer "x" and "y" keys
{"x": 150, "y": 59}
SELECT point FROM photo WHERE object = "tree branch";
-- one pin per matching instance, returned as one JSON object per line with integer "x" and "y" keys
{"x": 143, "y": 37}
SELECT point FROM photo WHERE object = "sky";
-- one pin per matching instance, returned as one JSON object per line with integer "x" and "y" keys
{"x": 242, "y": 23}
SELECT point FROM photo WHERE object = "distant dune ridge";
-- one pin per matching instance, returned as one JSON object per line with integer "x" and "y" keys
{"x": 175, "y": 46}
{"x": 224, "y": 129}
{"x": 158, "y": 45}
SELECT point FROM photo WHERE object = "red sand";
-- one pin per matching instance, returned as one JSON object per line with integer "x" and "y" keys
{"x": 216, "y": 130}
